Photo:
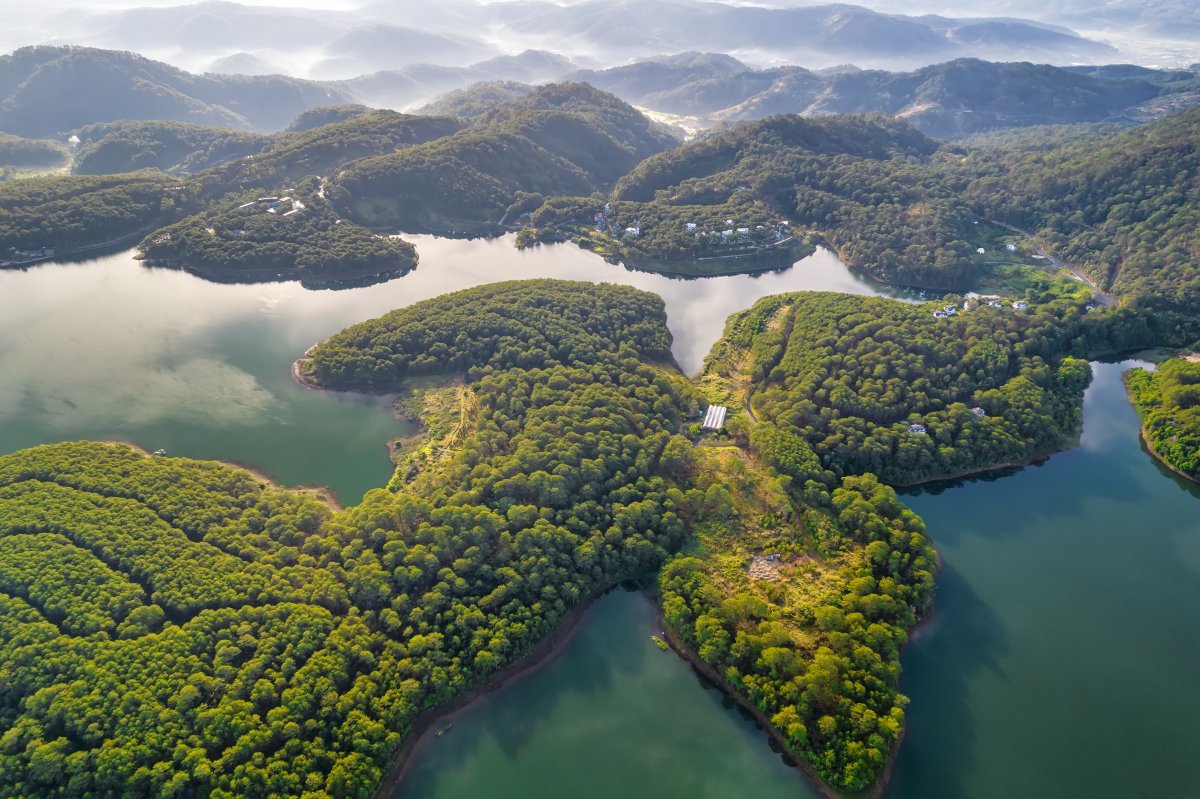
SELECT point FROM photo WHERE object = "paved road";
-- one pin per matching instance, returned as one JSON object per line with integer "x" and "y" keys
{"x": 1101, "y": 295}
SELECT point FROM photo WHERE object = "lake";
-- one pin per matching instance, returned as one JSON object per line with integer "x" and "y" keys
{"x": 109, "y": 349}
{"x": 1061, "y": 661}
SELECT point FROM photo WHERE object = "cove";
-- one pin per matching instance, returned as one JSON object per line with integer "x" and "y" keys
{"x": 110, "y": 349}
{"x": 1062, "y": 657}
{"x": 611, "y": 715}
{"x": 1060, "y": 661}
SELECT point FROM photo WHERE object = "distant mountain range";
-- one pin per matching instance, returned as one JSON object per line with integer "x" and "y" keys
{"x": 53, "y": 91}
{"x": 945, "y": 100}
{"x": 387, "y": 36}
{"x": 48, "y": 91}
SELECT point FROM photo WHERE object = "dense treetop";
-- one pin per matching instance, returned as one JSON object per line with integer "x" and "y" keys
{"x": 1168, "y": 401}
{"x": 850, "y": 376}
{"x": 1124, "y": 207}
{"x": 514, "y": 323}
{"x": 290, "y": 233}
{"x": 112, "y": 147}
{"x": 320, "y": 150}
{"x": 236, "y": 640}
{"x": 326, "y": 115}
{"x": 73, "y": 211}
{"x": 476, "y": 99}
{"x": 563, "y": 139}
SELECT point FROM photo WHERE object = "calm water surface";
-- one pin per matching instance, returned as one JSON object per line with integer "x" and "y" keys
{"x": 612, "y": 716}
{"x": 1062, "y": 661}
{"x": 108, "y": 349}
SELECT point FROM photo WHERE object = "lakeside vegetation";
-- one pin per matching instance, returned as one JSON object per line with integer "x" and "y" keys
{"x": 68, "y": 212}
{"x": 802, "y": 608}
{"x": 274, "y": 645}
{"x": 891, "y": 201}
{"x": 1168, "y": 402}
{"x": 877, "y": 386}
{"x": 652, "y": 234}
{"x": 114, "y": 147}
{"x": 294, "y": 647}
{"x": 289, "y": 233}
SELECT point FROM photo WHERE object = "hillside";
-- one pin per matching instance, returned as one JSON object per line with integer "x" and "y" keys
{"x": 291, "y": 234}
{"x": 326, "y": 115}
{"x": 320, "y": 150}
{"x": 868, "y": 185}
{"x": 22, "y": 153}
{"x": 1125, "y": 208}
{"x": 68, "y": 212}
{"x": 1120, "y": 206}
{"x": 47, "y": 91}
{"x": 947, "y": 100}
{"x": 111, "y": 147}
{"x": 566, "y": 139}
{"x": 476, "y": 99}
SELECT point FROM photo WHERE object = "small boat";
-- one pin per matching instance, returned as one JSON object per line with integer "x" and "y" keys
{"x": 160, "y": 452}
{"x": 443, "y": 730}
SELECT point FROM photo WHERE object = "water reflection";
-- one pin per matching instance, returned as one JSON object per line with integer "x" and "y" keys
{"x": 108, "y": 348}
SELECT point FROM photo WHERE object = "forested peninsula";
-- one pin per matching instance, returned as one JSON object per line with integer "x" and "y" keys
{"x": 1168, "y": 402}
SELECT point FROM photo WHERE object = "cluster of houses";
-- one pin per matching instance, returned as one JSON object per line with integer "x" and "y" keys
{"x": 952, "y": 310}
{"x": 16, "y": 256}
{"x": 736, "y": 235}
{"x": 730, "y": 235}
{"x": 283, "y": 206}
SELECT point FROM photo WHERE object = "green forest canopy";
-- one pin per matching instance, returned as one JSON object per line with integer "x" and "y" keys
{"x": 1168, "y": 401}
{"x": 293, "y": 232}
{"x": 234, "y": 639}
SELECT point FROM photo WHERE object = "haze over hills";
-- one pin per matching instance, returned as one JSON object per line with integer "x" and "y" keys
{"x": 46, "y": 91}
{"x": 945, "y": 100}
{"x": 383, "y": 36}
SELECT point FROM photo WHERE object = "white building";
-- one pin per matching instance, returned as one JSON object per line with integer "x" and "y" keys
{"x": 714, "y": 419}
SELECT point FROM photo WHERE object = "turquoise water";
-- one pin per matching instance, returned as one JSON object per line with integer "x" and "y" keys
{"x": 108, "y": 349}
{"x": 1061, "y": 662}
{"x": 613, "y": 715}
{"x": 1063, "y": 657}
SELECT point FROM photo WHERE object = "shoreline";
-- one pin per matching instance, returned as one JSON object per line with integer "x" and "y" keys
{"x": 219, "y": 274}
{"x": 323, "y": 493}
{"x": 876, "y": 789}
{"x": 542, "y": 654}
{"x": 983, "y": 470}
{"x": 1154, "y": 454}
{"x": 1146, "y": 445}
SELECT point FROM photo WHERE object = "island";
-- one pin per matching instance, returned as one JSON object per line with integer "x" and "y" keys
{"x": 1168, "y": 403}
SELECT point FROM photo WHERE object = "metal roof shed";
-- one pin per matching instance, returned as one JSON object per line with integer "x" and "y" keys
{"x": 715, "y": 418}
